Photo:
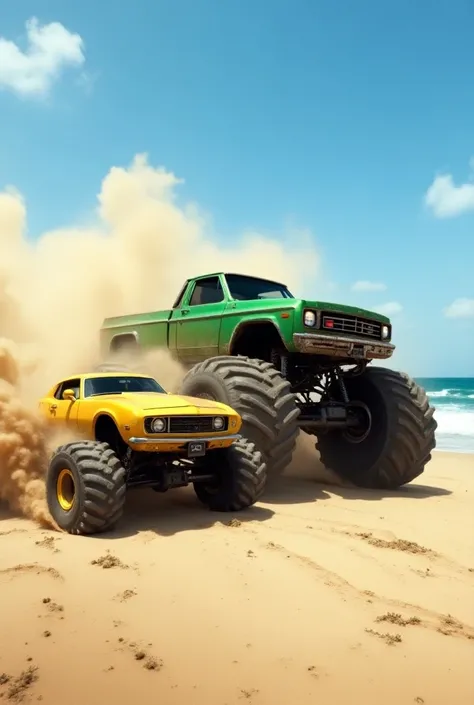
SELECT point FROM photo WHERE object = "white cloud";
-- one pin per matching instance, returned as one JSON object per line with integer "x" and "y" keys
{"x": 448, "y": 200}
{"x": 364, "y": 285}
{"x": 389, "y": 309}
{"x": 50, "y": 48}
{"x": 460, "y": 308}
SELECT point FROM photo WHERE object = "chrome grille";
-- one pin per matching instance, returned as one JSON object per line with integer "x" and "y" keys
{"x": 352, "y": 325}
{"x": 192, "y": 424}
{"x": 187, "y": 424}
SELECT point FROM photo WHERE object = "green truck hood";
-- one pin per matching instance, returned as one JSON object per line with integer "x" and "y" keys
{"x": 261, "y": 305}
{"x": 340, "y": 308}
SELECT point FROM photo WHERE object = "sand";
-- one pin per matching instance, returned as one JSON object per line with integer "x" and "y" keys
{"x": 319, "y": 594}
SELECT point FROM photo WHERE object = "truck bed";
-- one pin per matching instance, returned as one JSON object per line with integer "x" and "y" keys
{"x": 136, "y": 319}
{"x": 151, "y": 327}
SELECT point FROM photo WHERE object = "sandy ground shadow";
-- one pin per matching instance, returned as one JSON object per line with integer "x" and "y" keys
{"x": 166, "y": 514}
{"x": 306, "y": 480}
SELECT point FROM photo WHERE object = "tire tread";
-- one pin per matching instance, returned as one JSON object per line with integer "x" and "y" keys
{"x": 263, "y": 398}
{"x": 249, "y": 479}
{"x": 410, "y": 438}
{"x": 103, "y": 477}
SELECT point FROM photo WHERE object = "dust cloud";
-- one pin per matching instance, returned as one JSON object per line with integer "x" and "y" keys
{"x": 56, "y": 290}
{"x": 23, "y": 445}
{"x": 305, "y": 464}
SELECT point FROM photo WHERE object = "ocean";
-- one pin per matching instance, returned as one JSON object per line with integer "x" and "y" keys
{"x": 453, "y": 399}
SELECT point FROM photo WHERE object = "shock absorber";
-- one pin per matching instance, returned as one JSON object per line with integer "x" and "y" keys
{"x": 280, "y": 361}
{"x": 342, "y": 386}
{"x": 284, "y": 365}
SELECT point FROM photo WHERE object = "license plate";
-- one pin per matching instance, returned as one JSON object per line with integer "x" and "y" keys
{"x": 196, "y": 449}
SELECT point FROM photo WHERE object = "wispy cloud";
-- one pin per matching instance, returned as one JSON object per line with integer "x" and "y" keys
{"x": 364, "y": 285}
{"x": 460, "y": 308}
{"x": 391, "y": 308}
{"x": 447, "y": 200}
{"x": 50, "y": 48}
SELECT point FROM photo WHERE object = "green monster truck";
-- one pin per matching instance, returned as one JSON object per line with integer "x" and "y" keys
{"x": 287, "y": 364}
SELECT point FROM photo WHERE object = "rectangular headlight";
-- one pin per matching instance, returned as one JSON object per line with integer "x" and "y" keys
{"x": 309, "y": 319}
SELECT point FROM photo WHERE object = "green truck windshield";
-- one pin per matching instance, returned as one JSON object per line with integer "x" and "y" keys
{"x": 246, "y": 288}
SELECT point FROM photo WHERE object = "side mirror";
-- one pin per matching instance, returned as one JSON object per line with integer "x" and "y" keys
{"x": 69, "y": 395}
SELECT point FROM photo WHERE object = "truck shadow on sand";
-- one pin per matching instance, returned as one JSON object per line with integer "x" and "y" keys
{"x": 164, "y": 514}
{"x": 146, "y": 511}
{"x": 177, "y": 511}
{"x": 180, "y": 510}
{"x": 174, "y": 512}
{"x": 306, "y": 482}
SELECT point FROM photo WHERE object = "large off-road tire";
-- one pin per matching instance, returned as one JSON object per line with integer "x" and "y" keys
{"x": 240, "y": 474}
{"x": 85, "y": 487}
{"x": 259, "y": 393}
{"x": 401, "y": 437}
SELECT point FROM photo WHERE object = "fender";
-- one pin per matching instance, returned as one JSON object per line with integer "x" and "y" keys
{"x": 246, "y": 324}
{"x": 120, "y": 427}
{"x": 114, "y": 344}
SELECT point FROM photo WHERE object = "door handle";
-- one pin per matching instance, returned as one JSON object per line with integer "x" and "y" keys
{"x": 184, "y": 311}
{"x": 53, "y": 407}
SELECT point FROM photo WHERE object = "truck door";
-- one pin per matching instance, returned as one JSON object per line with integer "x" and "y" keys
{"x": 199, "y": 320}
{"x": 59, "y": 412}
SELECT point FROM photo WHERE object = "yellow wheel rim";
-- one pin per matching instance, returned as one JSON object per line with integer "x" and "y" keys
{"x": 65, "y": 490}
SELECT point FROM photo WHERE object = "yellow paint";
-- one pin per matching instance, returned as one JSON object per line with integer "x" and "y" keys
{"x": 129, "y": 410}
{"x": 65, "y": 490}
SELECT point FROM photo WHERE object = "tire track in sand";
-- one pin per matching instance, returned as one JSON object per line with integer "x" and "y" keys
{"x": 445, "y": 624}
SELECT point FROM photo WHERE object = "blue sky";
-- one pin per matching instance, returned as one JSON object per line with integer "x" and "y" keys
{"x": 336, "y": 117}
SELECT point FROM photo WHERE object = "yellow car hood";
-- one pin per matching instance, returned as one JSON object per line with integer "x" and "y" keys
{"x": 156, "y": 401}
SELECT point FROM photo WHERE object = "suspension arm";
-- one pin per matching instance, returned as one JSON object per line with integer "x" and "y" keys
{"x": 328, "y": 415}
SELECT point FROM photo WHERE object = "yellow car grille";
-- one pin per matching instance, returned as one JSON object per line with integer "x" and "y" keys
{"x": 188, "y": 424}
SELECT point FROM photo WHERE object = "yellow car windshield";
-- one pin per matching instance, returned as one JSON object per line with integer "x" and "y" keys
{"x": 116, "y": 385}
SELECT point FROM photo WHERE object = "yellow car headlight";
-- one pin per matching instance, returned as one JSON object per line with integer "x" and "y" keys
{"x": 158, "y": 425}
{"x": 218, "y": 423}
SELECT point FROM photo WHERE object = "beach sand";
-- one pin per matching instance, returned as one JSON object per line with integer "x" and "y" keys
{"x": 319, "y": 594}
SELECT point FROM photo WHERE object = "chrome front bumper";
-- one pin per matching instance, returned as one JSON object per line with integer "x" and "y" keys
{"x": 182, "y": 439}
{"x": 342, "y": 346}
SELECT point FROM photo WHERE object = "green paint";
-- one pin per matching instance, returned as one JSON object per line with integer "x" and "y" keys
{"x": 196, "y": 331}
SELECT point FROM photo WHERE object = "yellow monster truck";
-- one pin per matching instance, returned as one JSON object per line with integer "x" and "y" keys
{"x": 134, "y": 434}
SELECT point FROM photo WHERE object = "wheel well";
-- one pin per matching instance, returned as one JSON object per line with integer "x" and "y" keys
{"x": 124, "y": 342}
{"x": 106, "y": 430}
{"x": 257, "y": 340}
